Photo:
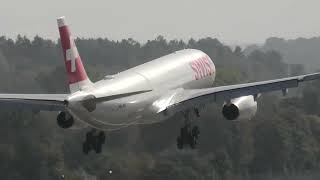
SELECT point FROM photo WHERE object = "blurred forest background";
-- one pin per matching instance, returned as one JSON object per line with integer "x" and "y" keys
{"x": 281, "y": 142}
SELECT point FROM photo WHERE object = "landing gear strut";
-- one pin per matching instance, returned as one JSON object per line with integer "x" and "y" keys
{"x": 94, "y": 141}
{"x": 188, "y": 134}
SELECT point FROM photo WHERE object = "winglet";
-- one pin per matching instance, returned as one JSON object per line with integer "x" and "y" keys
{"x": 77, "y": 76}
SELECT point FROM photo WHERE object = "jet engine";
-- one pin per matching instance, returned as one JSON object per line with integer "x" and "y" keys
{"x": 241, "y": 108}
{"x": 65, "y": 120}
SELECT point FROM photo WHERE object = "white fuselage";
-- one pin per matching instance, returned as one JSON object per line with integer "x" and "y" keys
{"x": 187, "y": 69}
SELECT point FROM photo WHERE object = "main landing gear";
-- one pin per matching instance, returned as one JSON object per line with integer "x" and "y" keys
{"x": 188, "y": 134}
{"x": 94, "y": 141}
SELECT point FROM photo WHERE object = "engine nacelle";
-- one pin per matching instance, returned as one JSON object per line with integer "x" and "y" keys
{"x": 241, "y": 108}
{"x": 65, "y": 120}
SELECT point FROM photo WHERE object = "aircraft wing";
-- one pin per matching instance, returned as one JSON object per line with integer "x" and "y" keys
{"x": 184, "y": 99}
{"x": 45, "y": 102}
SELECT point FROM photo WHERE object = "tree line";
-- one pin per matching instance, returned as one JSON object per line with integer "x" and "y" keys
{"x": 282, "y": 141}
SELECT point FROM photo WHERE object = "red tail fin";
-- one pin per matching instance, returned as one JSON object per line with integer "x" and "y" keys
{"x": 77, "y": 76}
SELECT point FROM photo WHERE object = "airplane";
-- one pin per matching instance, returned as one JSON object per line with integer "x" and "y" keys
{"x": 179, "y": 83}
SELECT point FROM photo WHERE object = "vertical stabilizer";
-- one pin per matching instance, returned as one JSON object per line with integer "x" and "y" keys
{"x": 77, "y": 76}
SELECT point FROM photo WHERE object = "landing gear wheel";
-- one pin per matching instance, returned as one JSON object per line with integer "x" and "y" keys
{"x": 184, "y": 132}
{"x": 193, "y": 143}
{"x": 102, "y": 137}
{"x": 188, "y": 136}
{"x": 85, "y": 147}
{"x": 195, "y": 132}
{"x": 98, "y": 147}
{"x": 94, "y": 141}
{"x": 179, "y": 143}
{"x": 89, "y": 137}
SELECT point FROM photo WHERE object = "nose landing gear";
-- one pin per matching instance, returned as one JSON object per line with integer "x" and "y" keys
{"x": 94, "y": 141}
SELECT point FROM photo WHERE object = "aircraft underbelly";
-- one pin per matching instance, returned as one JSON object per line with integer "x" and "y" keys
{"x": 116, "y": 114}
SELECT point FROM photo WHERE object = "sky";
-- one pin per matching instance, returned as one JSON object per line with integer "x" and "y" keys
{"x": 231, "y": 21}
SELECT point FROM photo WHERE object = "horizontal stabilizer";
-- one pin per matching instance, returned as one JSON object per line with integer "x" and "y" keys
{"x": 41, "y": 102}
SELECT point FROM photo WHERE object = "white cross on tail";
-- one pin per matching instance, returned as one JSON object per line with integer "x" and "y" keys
{"x": 72, "y": 54}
